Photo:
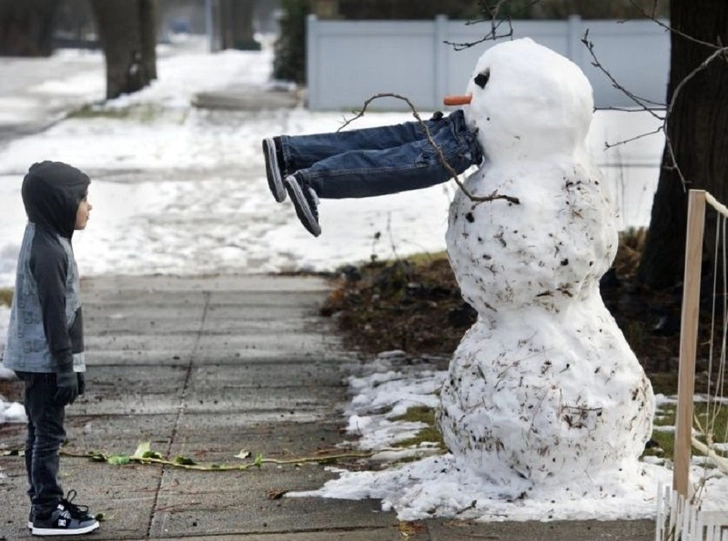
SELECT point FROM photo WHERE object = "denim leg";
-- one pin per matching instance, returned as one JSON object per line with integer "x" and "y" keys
{"x": 29, "y": 442}
{"x": 302, "y": 151}
{"x": 412, "y": 166}
{"x": 44, "y": 441}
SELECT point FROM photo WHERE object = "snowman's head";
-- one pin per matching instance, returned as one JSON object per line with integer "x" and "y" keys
{"x": 528, "y": 102}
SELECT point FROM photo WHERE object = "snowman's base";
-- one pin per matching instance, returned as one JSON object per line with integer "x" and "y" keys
{"x": 535, "y": 396}
{"x": 440, "y": 487}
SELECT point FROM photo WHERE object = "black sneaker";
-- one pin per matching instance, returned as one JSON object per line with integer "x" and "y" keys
{"x": 64, "y": 520}
{"x": 274, "y": 168}
{"x": 305, "y": 201}
{"x": 79, "y": 512}
{"x": 30, "y": 520}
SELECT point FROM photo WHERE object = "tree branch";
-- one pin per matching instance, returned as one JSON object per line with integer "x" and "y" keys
{"x": 440, "y": 155}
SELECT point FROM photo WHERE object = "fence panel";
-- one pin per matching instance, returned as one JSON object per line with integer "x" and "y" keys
{"x": 350, "y": 61}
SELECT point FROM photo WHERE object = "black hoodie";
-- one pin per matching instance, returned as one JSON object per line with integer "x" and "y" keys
{"x": 46, "y": 324}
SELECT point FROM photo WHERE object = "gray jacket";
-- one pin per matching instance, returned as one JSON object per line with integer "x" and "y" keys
{"x": 46, "y": 322}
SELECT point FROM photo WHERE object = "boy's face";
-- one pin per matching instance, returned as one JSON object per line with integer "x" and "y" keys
{"x": 82, "y": 214}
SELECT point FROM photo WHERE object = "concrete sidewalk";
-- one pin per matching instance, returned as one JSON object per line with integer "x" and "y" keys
{"x": 203, "y": 368}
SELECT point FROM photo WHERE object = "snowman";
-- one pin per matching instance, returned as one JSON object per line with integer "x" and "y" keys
{"x": 543, "y": 390}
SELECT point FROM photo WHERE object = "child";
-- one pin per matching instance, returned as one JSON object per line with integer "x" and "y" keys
{"x": 366, "y": 162}
{"x": 45, "y": 336}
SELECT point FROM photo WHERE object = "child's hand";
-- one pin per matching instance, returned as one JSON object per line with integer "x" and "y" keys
{"x": 67, "y": 384}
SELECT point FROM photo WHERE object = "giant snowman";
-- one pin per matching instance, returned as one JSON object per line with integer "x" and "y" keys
{"x": 543, "y": 389}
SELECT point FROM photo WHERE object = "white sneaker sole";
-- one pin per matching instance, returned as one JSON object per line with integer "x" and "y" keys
{"x": 272, "y": 172}
{"x": 303, "y": 209}
{"x": 58, "y": 531}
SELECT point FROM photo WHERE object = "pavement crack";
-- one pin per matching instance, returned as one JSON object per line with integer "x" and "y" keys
{"x": 180, "y": 410}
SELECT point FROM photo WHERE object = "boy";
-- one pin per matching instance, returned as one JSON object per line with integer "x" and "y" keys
{"x": 367, "y": 162}
{"x": 45, "y": 337}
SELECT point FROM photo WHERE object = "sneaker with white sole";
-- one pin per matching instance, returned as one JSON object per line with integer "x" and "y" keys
{"x": 305, "y": 201}
{"x": 66, "y": 519}
{"x": 274, "y": 168}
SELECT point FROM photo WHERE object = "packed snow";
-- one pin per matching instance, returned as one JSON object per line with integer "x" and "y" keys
{"x": 181, "y": 190}
{"x": 437, "y": 485}
{"x": 543, "y": 388}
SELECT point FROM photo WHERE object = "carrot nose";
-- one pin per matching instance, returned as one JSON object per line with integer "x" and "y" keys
{"x": 465, "y": 99}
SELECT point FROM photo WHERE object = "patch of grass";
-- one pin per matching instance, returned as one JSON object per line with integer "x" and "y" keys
{"x": 144, "y": 113}
{"x": 663, "y": 444}
{"x": 712, "y": 419}
{"x": 430, "y": 434}
{"x": 664, "y": 382}
{"x": 6, "y": 296}
{"x": 93, "y": 111}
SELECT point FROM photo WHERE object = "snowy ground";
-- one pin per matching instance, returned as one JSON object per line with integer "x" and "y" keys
{"x": 437, "y": 486}
{"x": 180, "y": 190}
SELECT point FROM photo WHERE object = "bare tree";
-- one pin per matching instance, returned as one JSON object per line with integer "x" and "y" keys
{"x": 26, "y": 27}
{"x": 696, "y": 149}
{"x": 127, "y": 31}
{"x": 236, "y": 20}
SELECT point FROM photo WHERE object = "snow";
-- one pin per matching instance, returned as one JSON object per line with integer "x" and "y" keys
{"x": 440, "y": 486}
{"x": 181, "y": 190}
{"x": 543, "y": 389}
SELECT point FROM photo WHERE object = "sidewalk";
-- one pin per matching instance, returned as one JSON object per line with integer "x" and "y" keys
{"x": 206, "y": 367}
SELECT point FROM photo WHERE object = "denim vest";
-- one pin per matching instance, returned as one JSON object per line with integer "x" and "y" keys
{"x": 27, "y": 347}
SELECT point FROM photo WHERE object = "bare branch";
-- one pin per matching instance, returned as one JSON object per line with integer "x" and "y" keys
{"x": 703, "y": 65}
{"x": 440, "y": 155}
{"x": 642, "y": 103}
{"x": 669, "y": 28}
{"x": 496, "y": 21}
{"x": 719, "y": 52}
{"x": 635, "y": 138}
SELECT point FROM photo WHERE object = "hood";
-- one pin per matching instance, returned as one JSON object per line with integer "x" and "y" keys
{"x": 52, "y": 192}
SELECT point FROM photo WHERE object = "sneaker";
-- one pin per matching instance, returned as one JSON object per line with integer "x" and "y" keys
{"x": 274, "y": 168}
{"x": 66, "y": 519}
{"x": 305, "y": 201}
{"x": 31, "y": 516}
{"x": 79, "y": 512}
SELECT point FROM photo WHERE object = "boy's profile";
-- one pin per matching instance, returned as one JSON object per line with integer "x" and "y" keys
{"x": 45, "y": 337}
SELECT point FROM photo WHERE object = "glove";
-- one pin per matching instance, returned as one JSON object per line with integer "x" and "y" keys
{"x": 67, "y": 384}
{"x": 81, "y": 383}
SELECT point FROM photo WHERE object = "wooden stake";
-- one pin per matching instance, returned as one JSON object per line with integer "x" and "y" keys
{"x": 688, "y": 341}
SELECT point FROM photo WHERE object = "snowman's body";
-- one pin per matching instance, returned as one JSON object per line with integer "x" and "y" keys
{"x": 544, "y": 387}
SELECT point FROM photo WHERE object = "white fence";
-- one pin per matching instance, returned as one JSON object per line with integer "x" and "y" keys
{"x": 350, "y": 61}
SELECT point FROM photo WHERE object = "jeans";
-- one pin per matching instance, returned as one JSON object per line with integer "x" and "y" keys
{"x": 45, "y": 436}
{"x": 381, "y": 160}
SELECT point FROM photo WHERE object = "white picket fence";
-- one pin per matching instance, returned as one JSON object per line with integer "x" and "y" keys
{"x": 678, "y": 520}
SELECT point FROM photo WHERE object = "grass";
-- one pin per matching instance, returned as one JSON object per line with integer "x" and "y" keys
{"x": 429, "y": 434}
{"x": 6, "y": 296}
{"x": 143, "y": 113}
{"x": 664, "y": 440}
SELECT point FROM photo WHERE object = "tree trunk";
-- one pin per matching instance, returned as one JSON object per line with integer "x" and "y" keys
{"x": 128, "y": 37}
{"x": 237, "y": 24}
{"x": 698, "y": 129}
{"x": 26, "y": 27}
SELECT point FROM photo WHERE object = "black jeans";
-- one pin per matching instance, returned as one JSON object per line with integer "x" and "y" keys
{"x": 45, "y": 436}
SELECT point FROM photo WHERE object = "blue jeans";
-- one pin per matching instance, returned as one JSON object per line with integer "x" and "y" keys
{"x": 45, "y": 437}
{"x": 381, "y": 160}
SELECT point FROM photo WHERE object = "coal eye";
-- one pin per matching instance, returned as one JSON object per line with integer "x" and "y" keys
{"x": 482, "y": 78}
